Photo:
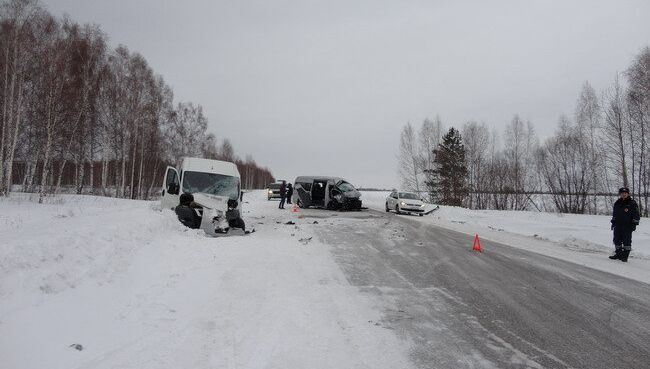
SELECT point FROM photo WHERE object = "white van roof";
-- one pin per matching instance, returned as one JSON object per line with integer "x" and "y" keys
{"x": 210, "y": 166}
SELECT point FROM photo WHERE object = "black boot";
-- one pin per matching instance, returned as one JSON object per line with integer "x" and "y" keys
{"x": 624, "y": 255}
{"x": 617, "y": 254}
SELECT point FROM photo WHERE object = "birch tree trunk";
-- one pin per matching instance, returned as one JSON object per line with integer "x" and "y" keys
{"x": 139, "y": 194}
{"x": 4, "y": 131}
{"x": 104, "y": 175}
{"x": 6, "y": 134}
{"x": 12, "y": 147}
{"x": 154, "y": 176}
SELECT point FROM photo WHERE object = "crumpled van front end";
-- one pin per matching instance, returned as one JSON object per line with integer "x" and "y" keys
{"x": 213, "y": 213}
{"x": 212, "y": 183}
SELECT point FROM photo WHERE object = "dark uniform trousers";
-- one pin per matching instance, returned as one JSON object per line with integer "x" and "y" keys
{"x": 623, "y": 237}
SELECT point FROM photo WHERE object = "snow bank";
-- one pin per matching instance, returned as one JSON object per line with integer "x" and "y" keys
{"x": 136, "y": 289}
{"x": 584, "y": 239}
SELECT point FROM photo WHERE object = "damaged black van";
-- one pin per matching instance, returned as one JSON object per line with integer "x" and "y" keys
{"x": 325, "y": 192}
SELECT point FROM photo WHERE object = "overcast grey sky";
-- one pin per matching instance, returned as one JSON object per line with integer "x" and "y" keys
{"x": 324, "y": 87}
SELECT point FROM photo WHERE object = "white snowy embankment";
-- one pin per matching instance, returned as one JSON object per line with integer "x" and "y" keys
{"x": 582, "y": 239}
{"x": 136, "y": 289}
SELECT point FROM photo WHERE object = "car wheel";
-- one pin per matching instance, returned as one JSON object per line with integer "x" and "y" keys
{"x": 397, "y": 209}
{"x": 420, "y": 214}
{"x": 387, "y": 209}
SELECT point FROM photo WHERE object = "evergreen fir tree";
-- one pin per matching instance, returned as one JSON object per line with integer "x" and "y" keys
{"x": 448, "y": 183}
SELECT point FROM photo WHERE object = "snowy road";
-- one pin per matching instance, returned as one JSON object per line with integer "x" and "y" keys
{"x": 503, "y": 308}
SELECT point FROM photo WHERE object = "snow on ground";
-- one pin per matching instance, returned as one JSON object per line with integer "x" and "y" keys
{"x": 583, "y": 239}
{"x": 136, "y": 289}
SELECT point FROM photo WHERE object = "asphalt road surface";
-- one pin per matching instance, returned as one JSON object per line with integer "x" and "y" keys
{"x": 502, "y": 308}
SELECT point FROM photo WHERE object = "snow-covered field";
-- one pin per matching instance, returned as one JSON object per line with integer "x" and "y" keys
{"x": 583, "y": 239}
{"x": 136, "y": 289}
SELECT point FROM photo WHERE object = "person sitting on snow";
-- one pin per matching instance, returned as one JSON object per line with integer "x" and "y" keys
{"x": 233, "y": 216}
{"x": 186, "y": 213}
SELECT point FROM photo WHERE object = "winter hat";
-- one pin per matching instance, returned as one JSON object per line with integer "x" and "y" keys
{"x": 186, "y": 198}
{"x": 623, "y": 189}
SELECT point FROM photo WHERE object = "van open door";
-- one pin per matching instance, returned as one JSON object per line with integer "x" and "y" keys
{"x": 303, "y": 196}
{"x": 171, "y": 189}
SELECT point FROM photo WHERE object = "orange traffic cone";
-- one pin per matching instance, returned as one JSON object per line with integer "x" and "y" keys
{"x": 477, "y": 244}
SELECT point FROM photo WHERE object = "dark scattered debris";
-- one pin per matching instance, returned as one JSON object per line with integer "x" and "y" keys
{"x": 77, "y": 346}
{"x": 305, "y": 241}
{"x": 290, "y": 222}
{"x": 496, "y": 229}
{"x": 315, "y": 222}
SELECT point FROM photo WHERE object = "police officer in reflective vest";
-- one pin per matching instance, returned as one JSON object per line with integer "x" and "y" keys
{"x": 625, "y": 218}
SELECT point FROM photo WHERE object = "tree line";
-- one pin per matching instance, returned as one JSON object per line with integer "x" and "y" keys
{"x": 76, "y": 114}
{"x": 603, "y": 145}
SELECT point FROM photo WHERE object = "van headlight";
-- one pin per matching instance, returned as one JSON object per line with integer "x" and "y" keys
{"x": 270, "y": 191}
{"x": 402, "y": 203}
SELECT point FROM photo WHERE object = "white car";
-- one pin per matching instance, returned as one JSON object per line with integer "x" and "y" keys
{"x": 405, "y": 203}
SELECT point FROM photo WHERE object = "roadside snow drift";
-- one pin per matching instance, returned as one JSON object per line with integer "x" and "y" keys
{"x": 92, "y": 282}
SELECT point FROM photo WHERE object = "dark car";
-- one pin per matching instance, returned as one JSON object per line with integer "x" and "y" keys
{"x": 332, "y": 193}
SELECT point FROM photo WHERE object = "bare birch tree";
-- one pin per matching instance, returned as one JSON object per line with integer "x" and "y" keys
{"x": 17, "y": 19}
{"x": 638, "y": 103}
{"x": 476, "y": 138}
{"x": 409, "y": 160}
{"x": 588, "y": 122}
{"x": 429, "y": 138}
{"x": 614, "y": 131}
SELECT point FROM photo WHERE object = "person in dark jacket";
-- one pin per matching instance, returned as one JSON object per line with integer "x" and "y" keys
{"x": 625, "y": 218}
{"x": 289, "y": 192}
{"x": 233, "y": 216}
{"x": 283, "y": 194}
{"x": 186, "y": 213}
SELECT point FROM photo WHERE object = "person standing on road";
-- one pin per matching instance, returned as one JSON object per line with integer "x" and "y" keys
{"x": 625, "y": 218}
{"x": 289, "y": 193}
{"x": 283, "y": 193}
